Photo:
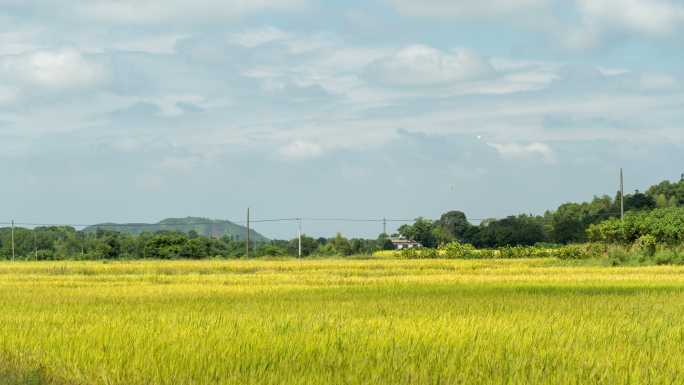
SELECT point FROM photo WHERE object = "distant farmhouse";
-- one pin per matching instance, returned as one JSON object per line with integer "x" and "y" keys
{"x": 403, "y": 243}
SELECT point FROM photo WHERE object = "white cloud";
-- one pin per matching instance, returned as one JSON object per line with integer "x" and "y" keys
{"x": 255, "y": 38}
{"x": 191, "y": 11}
{"x": 606, "y": 71}
{"x": 651, "y": 17}
{"x": 525, "y": 151}
{"x": 465, "y": 9}
{"x": 301, "y": 150}
{"x": 163, "y": 44}
{"x": 420, "y": 65}
{"x": 170, "y": 105}
{"x": 591, "y": 24}
{"x": 602, "y": 19}
{"x": 63, "y": 69}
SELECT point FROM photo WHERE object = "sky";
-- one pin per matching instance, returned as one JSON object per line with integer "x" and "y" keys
{"x": 138, "y": 110}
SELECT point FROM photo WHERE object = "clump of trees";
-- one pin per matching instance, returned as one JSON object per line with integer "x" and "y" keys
{"x": 570, "y": 223}
{"x": 667, "y": 194}
{"x": 454, "y": 226}
{"x": 665, "y": 225}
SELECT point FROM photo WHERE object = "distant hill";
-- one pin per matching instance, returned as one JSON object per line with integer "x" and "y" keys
{"x": 203, "y": 226}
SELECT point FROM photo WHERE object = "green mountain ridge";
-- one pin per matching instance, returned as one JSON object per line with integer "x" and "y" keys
{"x": 203, "y": 226}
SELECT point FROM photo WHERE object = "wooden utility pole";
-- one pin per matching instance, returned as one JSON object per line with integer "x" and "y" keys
{"x": 12, "y": 239}
{"x": 299, "y": 236}
{"x": 384, "y": 226}
{"x": 622, "y": 196}
{"x": 35, "y": 244}
{"x": 247, "y": 243}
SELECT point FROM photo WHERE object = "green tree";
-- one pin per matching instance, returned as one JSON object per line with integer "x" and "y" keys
{"x": 166, "y": 245}
{"x": 421, "y": 231}
{"x": 452, "y": 226}
{"x": 309, "y": 246}
{"x": 639, "y": 201}
{"x": 341, "y": 245}
{"x": 384, "y": 242}
{"x": 512, "y": 231}
{"x": 195, "y": 248}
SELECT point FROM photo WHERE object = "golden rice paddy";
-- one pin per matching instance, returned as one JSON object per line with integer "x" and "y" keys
{"x": 340, "y": 322}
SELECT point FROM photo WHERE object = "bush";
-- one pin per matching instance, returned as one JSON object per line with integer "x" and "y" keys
{"x": 486, "y": 254}
{"x": 573, "y": 252}
{"x": 664, "y": 224}
{"x": 664, "y": 259}
{"x": 457, "y": 250}
{"x": 618, "y": 255}
{"x": 647, "y": 245}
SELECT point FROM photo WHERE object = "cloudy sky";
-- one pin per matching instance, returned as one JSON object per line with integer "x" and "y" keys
{"x": 137, "y": 110}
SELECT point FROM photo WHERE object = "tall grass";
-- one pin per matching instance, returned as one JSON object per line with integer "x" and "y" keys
{"x": 340, "y": 322}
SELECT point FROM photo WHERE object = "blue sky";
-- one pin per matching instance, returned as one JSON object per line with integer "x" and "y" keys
{"x": 140, "y": 110}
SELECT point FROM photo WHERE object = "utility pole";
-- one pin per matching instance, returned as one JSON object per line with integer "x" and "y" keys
{"x": 384, "y": 226}
{"x": 247, "y": 243}
{"x": 35, "y": 244}
{"x": 254, "y": 241}
{"x": 12, "y": 239}
{"x": 299, "y": 236}
{"x": 622, "y": 196}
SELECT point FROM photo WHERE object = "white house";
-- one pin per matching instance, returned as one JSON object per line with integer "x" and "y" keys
{"x": 403, "y": 243}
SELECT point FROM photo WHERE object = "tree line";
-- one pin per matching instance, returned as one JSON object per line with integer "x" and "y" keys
{"x": 659, "y": 212}
{"x": 569, "y": 223}
{"x": 64, "y": 242}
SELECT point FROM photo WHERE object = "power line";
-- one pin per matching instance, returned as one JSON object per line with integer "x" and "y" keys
{"x": 354, "y": 220}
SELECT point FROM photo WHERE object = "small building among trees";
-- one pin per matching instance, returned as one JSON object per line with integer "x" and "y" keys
{"x": 403, "y": 243}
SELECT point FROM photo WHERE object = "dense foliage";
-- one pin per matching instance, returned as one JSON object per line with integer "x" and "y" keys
{"x": 457, "y": 250}
{"x": 570, "y": 223}
{"x": 665, "y": 225}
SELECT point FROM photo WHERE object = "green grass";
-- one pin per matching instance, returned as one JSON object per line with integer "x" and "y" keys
{"x": 340, "y": 322}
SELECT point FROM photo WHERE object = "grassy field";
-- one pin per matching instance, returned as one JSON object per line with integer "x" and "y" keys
{"x": 340, "y": 322}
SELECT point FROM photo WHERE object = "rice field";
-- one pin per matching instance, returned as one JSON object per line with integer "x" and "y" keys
{"x": 340, "y": 322}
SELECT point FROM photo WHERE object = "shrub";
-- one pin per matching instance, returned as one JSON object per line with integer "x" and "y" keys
{"x": 596, "y": 249}
{"x": 513, "y": 252}
{"x": 647, "y": 244}
{"x": 457, "y": 250}
{"x": 486, "y": 254}
{"x": 664, "y": 259}
{"x": 665, "y": 224}
{"x": 618, "y": 254}
{"x": 574, "y": 252}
